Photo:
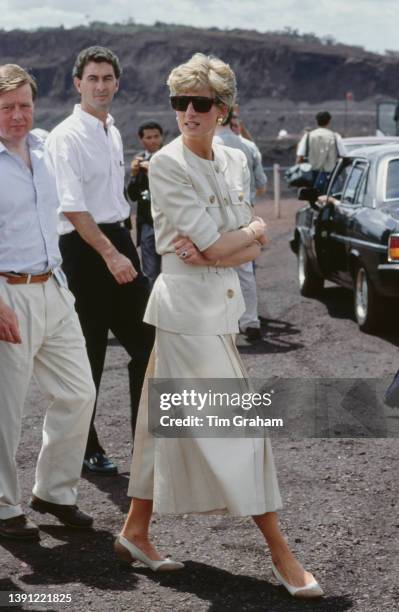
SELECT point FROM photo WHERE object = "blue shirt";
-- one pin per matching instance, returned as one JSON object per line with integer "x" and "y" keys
{"x": 225, "y": 136}
{"x": 28, "y": 212}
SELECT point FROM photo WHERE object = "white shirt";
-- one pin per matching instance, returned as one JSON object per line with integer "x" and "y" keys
{"x": 88, "y": 163}
{"x": 28, "y": 212}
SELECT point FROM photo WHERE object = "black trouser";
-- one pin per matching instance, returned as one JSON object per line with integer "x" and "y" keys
{"x": 103, "y": 305}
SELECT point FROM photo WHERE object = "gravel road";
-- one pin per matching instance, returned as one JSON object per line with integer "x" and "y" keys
{"x": 340, "y": 495}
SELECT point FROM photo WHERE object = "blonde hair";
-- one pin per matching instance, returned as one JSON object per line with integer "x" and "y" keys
{"x": 13, "y": 76}
{"x": 204, "y": 71}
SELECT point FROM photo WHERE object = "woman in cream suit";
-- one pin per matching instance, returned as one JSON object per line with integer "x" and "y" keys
{"x": 203, "y": 228}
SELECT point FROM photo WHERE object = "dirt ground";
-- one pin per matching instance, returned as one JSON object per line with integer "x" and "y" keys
{"x": 340, "y": 495}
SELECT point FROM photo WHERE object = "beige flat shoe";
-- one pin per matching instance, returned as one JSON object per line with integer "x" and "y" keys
{"x": 126, "y": 551}
{"x": 313, "y": 589}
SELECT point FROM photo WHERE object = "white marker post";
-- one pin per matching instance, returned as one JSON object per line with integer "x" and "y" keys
{"x": 277, "y": 190}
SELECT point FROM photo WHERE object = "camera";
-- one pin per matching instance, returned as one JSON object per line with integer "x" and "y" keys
{"x": 145, "y": 196}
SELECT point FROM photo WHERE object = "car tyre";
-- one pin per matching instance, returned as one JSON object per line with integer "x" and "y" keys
{"x": 368, "y": 304}
{"x": 310, "y": 282}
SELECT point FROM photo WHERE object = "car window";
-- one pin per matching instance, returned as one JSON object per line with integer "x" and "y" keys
{"x": 353, "y": 183}
{"x": 339, "y": 181}
{"x": 362, "y": 188}
{"x": 392, "y": 186}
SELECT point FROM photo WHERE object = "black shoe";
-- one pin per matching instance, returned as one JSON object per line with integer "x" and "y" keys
{"x": 68, "y": 515}
{"x": 19, "y": 528}
{"x": 100, "y": 464}
{"x": 253, "y": 334}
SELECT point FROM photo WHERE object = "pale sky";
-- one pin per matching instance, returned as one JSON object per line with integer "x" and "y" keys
{"x": 372, "y": 24}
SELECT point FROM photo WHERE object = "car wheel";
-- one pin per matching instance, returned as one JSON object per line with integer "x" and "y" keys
{"x": 310, "y": 283}
{"x": 368, "y": 305}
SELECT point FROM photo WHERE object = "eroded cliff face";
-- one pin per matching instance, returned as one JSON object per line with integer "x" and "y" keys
{"x": 281, "y": 82}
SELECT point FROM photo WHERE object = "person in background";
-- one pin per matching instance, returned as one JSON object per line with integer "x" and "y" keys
{"x": 244, "y": 132}
{"x": 259, "y": 181}
{"x": 150, "y": 135}
{"x": 99, "y": 257}
{"x": 235, "y": 124}
{"x": 40, "y": 332}
{"x": 321, "y": 147}
{"x": 250, "y": 324}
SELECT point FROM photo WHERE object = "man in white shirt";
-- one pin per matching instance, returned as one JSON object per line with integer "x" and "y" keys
{"x": 321, "y": 147}
{"x": 39, "y": 328}
{"x": 249, "y": 321}
{"x": 99, "y": 257}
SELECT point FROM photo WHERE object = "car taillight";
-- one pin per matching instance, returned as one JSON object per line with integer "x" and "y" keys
{"x": 393, "y": 248}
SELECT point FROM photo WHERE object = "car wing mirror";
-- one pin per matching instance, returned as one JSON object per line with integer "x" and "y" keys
{"x": 310, "y": 194}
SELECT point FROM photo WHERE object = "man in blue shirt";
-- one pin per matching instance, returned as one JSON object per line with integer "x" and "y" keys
{"x": 249, "y": 322}
{"x": 39, "y": 328}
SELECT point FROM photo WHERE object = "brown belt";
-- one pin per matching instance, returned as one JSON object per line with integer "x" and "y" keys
{"x": 25, "y": 279}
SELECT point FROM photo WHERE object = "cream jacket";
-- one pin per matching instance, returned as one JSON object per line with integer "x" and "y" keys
{"x": 200, "y": 199}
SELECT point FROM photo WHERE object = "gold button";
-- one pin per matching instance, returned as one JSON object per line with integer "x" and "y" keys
{"x": 212, "y": 199}
{"x": 241, "y": 197}
{"x": 230, "y": 293}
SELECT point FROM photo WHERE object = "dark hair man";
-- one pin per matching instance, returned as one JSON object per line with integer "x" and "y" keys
{"x": 150, "y": 135}
{"x": 99, "y": 257}
{"x": 321, "y": 147}
{"x": 39, "y": 328}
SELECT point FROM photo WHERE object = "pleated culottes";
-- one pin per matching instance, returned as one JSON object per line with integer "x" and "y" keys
{"x": 185, "y": 475}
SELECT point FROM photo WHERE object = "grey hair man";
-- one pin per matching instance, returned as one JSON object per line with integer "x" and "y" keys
{"x": 249, "y": 321}
{"x": 39, "y": 328}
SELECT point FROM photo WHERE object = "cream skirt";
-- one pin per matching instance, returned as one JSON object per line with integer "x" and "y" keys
{"x": 184, "y": 475}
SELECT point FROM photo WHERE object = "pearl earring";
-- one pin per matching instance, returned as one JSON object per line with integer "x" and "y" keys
{"x": 220, "y": 120}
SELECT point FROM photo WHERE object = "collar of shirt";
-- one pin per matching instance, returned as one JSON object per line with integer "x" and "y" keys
{"x": 33, "y": 141}
{"x": 206, "y": 166}
{"x": 91, "y": 119}
{"x": 224, "y": 130}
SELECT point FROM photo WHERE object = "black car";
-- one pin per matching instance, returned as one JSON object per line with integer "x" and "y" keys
{"x": 351, "y": 235}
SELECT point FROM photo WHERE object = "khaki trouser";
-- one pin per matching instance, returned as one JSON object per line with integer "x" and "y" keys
{"x": 249, "y": 291}
{"x": 52, "y": 349}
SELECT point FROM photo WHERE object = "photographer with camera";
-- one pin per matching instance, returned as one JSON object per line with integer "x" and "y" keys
{"x": 150, "y": 135}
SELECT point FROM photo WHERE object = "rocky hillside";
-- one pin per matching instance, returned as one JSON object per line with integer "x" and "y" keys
{"x": 283, "y": 78}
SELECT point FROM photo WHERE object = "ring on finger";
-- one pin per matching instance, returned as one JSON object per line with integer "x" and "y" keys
{"x": 183, "y": 254}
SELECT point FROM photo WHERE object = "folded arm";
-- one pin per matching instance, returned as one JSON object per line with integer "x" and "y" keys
{"x": 173, "y": 195}
{"x": 220, "y": 257}
{"x": 196, "y": 258}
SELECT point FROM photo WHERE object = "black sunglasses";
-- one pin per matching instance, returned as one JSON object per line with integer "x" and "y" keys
{"x": 201, "y": 104}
